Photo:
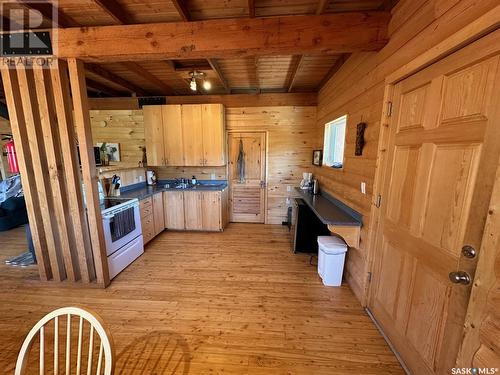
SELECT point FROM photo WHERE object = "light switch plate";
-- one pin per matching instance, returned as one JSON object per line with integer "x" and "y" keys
{"x": 289, "y": 188}
{"x": 363, "y": 188}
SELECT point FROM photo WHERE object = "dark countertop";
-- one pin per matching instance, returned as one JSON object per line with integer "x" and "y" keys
{"x": 329, "y": 210}
{"x": 142, "y": 191}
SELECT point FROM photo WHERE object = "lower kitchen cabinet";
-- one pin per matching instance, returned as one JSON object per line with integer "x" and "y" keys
{"x": 196, "y": 210}
{"x": 173, "y": 207}
{"x": 193, "y": 218}
{"x": 152, "y": 218}
{"x": 147, "y": 219}
{"x": 158, "y": 213}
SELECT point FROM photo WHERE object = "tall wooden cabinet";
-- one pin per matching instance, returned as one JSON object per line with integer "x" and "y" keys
{"x": 185, "y": 135}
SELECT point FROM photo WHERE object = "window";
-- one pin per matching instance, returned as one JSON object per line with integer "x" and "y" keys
{"x": 333, "y": 149}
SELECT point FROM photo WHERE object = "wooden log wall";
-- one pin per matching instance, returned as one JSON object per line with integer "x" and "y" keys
{"x": 69, "y": 242}
{"x": 125, "y": 127}
{"x": 291, "y": 137}
{"x": 357, "y": 89}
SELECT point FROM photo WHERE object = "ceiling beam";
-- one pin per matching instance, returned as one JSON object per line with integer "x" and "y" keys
{"x": 293, "y": 74}
{"x": 181, "y": 8}
{"x": 216, "y": 68}
{"x": 114, "y": 9}
{"x": 98, "y": 86}
{"x": 151, "y": 78}
{"x": 251, "y": 8}
{"x": 322, "y": 4}
{"x": 109, "y": 76}
{"x": 328, "y": 34}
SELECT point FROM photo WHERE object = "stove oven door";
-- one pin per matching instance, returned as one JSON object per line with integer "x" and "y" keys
{"x": 121, "y": 227}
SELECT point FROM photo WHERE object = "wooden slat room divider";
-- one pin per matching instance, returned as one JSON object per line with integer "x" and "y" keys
{"x": 68, "y": 239}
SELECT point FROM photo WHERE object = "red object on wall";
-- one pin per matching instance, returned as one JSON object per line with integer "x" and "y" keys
{"x": 10, "y": 149}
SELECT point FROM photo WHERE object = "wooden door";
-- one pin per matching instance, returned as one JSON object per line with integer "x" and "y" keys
{"x": 158, "y": 213}
{"x": 214, "y": 150}
{"x": 211, "y": 210}
{"x": 172, "y": 135}
{"x": 247, "y": 195}
{"x": 153, "y": 133}
{"x": 442, "y": 153}
{"x": 192, "y": 134}
{"x": 193, "y": 215}
{"x": 173, "y": 206}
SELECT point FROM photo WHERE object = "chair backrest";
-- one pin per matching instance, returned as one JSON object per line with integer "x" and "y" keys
{"x": 98, "y": 349}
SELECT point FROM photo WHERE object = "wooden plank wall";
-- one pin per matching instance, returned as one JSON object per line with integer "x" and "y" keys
{"x": 40, "y": 108}
{"x": 357, "y": 89}
{"x": 292, "y": 136}
{"x": 125, "y": 127}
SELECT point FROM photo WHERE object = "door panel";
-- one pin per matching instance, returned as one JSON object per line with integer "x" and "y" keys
{"x": 153, "y": 133}
{"x": 247, "y": 196}
{"x": 213, "y": 134}
{"x": 192, "y": 134}
{"x": 211, "y": 208}
{"x": 193, "y": 210}
{"x": 158, "y": 213}
{"x": 172, "y": 135}
{"x": 173, "y": 204}
{"x": 442, "y": 152}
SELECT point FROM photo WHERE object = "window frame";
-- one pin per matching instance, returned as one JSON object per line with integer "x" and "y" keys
{"x": 341, "y": 120}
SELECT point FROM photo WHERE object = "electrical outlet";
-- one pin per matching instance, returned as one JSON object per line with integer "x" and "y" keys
{"x": 363, "y": 188}
{"x": 289, "y": 188}
{"x": 288, "y": 201}
{"x": 212, "y": 176}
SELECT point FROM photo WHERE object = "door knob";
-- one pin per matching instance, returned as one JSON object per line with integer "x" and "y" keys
{"x": 460, "y": 277}
{"x": 468, "y": 251}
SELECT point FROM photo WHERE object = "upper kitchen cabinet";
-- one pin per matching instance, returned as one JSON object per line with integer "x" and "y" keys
{"x": 213, "y": 131}
{"x": 172, "y": 134}
{"x": 153, "y": 132}
{"x": 185, "y": 135}
{"x": 192, "y": 133}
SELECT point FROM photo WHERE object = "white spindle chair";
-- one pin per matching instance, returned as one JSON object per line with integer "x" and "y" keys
{"x": 95, "y": 323}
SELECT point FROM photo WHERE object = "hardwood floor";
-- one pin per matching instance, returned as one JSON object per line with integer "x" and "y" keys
{"x": 237, "y": 302}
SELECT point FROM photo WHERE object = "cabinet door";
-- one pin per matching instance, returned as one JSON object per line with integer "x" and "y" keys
{"x": 158, "y": 213}
{"x": 173, "y": 207}
{"x": 172, "y": 134}
{"x": 192, "y": 134}
{"x": 153, "y": 133}
{"x": 192, "y": 210}
{"x": 214, "y": 150}
{"x": 211, "y": 210}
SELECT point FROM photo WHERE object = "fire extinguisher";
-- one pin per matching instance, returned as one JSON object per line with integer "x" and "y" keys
{"x": 10, "y": 150}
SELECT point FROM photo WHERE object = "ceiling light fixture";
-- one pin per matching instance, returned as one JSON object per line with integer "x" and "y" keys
{"x": 193, "y": 85}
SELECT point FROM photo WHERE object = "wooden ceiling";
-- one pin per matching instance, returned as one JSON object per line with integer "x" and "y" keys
{"x": 287, "y": 73}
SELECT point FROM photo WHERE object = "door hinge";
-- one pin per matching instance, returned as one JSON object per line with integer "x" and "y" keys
{"x": 378, "y": 202}
{"x": 389, "y": 109}
{"x": 369, "y": 277}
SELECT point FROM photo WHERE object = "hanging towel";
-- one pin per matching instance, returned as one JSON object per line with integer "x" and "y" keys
{"x": 241, "y": 163}
{"x": 122, "y": 224}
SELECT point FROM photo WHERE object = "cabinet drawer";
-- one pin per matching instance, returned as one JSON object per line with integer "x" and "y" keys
{"x": 146, "y": 206}
{"x": 148, "y": 228}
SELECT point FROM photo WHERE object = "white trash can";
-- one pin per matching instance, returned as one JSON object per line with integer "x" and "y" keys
{"x": 331, "y": 256}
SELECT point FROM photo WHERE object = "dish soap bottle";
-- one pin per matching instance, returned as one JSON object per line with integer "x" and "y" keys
{"x": 193, "y": 180}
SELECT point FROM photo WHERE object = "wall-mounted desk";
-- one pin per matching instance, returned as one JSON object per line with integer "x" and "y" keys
{"x": 340, "y": 219}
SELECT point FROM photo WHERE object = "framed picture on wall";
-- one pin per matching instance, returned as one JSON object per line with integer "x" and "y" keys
{"x": 318, "y": 157}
